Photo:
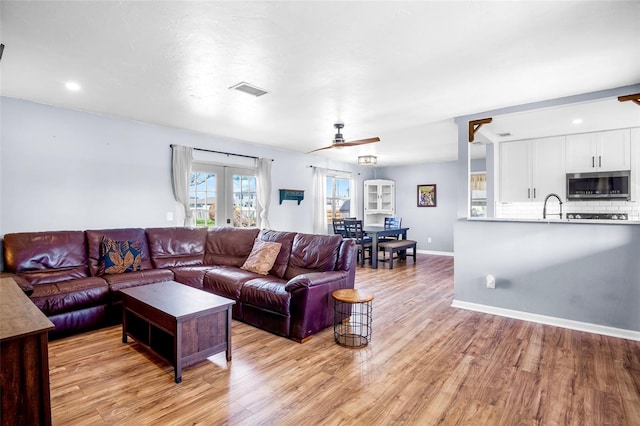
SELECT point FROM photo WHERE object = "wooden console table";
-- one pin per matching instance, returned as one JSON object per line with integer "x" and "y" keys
{"x": 24, "y": 350}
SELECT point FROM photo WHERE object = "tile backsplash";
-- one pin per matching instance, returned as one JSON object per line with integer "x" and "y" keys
{"x": 533, "y": 210}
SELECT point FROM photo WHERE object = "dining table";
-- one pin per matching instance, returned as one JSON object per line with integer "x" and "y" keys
{"x": 375, "y": 232}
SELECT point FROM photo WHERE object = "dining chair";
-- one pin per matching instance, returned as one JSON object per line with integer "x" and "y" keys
{"x": 392, "y": 222}
{"x": 338, "y": 227}
{"x": 389, "y": 222}
{"x": 354, "y": 231}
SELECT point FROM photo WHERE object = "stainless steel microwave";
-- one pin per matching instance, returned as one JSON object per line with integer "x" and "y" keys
{"x": 598, "y": 186}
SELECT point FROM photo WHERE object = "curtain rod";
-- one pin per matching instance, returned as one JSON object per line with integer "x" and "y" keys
{"x": 224, "y": 153}
{"x": 333, "y": 170}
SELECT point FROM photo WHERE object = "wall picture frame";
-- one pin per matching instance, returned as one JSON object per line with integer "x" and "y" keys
{"x": 427, "y": 195}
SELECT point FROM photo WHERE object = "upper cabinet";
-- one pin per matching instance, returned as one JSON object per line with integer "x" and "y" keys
{"x": 601, "y": 151}
{"x": 531, "y": 170}
{"x": 379, "y": 201}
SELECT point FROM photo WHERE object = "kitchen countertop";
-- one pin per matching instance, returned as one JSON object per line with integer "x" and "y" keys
{"x": 556, "y": 220}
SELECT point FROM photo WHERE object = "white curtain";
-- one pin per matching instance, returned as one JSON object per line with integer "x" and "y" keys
{"x": 181, "y": 171}
{"x": 319, "y": 200}
{"x": 355, "y": 200}
{"x": 263, "y": 188}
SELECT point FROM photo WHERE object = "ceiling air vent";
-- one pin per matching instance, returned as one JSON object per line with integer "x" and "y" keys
{"x": 249, "y": 88}
{"x": 504, "y": 135}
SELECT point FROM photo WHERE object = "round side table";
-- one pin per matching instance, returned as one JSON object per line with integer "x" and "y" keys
{"x": 352, "y": 315}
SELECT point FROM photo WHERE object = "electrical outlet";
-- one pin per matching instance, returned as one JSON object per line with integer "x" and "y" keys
{"x": 169, "y": 216}
{"x": 491, "y": 281}
{"x": 429, "y": 240}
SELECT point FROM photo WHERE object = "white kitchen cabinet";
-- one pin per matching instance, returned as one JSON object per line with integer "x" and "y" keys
{"x": 530, "y": 170}
{"x": 600, "y": 151}
{"x": 379, "y": 201}
{"x": 515, "y": 171}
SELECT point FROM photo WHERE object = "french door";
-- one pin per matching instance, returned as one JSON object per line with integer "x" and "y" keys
{"x": 223, "y": 196}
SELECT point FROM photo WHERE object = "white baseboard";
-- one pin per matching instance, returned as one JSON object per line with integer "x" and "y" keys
{"x": 437, "y": 253}
{"x": 554, "y": 321}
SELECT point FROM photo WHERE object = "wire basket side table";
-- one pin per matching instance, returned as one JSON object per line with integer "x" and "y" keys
{"x": 352, "y": 317}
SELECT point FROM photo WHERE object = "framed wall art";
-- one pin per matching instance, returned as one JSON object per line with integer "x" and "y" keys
{"x": 427, "y": 195}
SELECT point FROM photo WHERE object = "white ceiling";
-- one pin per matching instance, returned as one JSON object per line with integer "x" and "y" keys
{"x": 397, "y": 70}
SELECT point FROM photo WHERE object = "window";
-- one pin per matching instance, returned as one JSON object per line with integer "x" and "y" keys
{"x": 244, "y": 201}
{"x": 338, "y": 197}
{"x": 202, "y": 197}
{"x": 222, "y": 196}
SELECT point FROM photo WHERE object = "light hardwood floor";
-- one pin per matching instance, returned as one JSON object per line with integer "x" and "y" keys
{"x": 428, "y": 363}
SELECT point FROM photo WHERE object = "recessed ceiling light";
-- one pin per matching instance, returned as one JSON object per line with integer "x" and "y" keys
{"x": 73, "y": 86}
{"x": 577, "y": 121}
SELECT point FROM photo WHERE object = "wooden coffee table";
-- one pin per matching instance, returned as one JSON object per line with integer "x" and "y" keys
{"x": 181, "y": 324}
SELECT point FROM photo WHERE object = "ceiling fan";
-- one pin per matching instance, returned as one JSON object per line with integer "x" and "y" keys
{"x": 339, "y": 142}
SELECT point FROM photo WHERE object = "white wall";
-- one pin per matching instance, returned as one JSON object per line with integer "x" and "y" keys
{"x": 64, "y": 170}
{"x": 437, "y": 222}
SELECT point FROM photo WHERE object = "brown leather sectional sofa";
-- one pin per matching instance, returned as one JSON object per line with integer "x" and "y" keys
{"x": 59, "y": 270}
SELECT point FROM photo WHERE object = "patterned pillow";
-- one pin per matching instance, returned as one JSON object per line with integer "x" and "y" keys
{"x": 263, "y": 256}
{"x": 117, "y": 257}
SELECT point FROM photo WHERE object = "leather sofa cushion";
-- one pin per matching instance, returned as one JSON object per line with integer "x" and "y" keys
{"x": 267, "y": 293}
{"x": 313, "y": 253}
{"x": 94, "y": 240}
{"x": 54, "y": 275}
{"x": 192, "y": 276}
{"x": 65, "y": 296}
{"x": 227, "y": 281}
{"x": 229, "y": 246}
{"x": 171, "y": 247}
{"x": 286, "y": 241}
{"x": 132, "y": 279}
{"x": 62, "y": 251}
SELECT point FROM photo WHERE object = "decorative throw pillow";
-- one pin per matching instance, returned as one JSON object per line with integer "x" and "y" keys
{"x": 263, "y": 256}
{"x": 117, "y": 257}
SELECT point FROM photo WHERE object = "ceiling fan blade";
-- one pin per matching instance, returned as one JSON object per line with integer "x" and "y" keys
{"x": 360, "y": 142}
{"x": 349, "y": 143}
{"x": 320, "y": 149}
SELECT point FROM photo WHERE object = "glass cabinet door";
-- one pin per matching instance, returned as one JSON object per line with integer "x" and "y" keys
{"x": 386, "y": 198}
{"x": 372, "y": 197}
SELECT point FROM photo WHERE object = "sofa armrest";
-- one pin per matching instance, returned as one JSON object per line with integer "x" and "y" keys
{"x": 313, "y": 279}
{"x": 311, "y": 301}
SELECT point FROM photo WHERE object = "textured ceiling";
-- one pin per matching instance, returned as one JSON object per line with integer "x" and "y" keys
{"x": 397, "y": 70}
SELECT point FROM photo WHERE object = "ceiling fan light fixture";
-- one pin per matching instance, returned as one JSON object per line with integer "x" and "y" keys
{"x": 367, "y": 160}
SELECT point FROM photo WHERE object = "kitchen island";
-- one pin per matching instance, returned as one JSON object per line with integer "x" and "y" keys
{"x": 556, "y": 220}
{"x": 578, "y": 274}
{"x": 572, "y": 273}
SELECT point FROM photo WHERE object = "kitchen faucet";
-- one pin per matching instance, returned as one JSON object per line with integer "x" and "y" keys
{"x": 544, "y": 209}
